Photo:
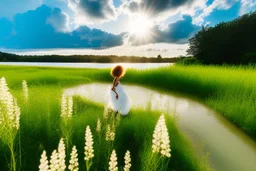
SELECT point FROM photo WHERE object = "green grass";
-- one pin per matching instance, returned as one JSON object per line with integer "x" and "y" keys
{"x": 229, "y": 90}
{"x": 40, "y": 126}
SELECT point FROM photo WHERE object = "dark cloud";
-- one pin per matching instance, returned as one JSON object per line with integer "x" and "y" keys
{"x": 58, "y": 20}
{"x": 94, "y": 9}
{"x": 154, "y": 7}
{"x": 37, "y": 29}
{"x": 178, "y": 32}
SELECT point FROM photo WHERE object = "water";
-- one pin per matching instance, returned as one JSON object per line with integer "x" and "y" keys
{"x": 229, "y": 148}
{"x": 87, "y": 65}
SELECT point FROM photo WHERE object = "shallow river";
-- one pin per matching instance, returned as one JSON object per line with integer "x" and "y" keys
{"x": 228, "y": 147}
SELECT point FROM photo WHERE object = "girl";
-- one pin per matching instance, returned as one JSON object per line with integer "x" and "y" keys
{"x": 120, "y": 101}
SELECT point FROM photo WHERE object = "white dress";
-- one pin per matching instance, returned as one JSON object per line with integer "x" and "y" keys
{"x": 123, "y": 103}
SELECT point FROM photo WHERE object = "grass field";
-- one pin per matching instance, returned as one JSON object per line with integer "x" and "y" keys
{"x": 230, "y": 90}
{"x": 41, "y": 126}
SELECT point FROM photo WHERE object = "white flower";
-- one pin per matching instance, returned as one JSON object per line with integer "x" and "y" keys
{"x": 113, "y": 162}
{"x": 10, "y": 112}
{"x": 88, "y": 149}
{"x": 161, "y": 142}
{"x": 66, "y": 106}
{"x": 127, "y": 161}
{"x": 98, "y": 128}
{"x": 25, "y": 90}
{"x": 73, "y": 162}
{"x": 110, "y": 134}
{"x": 16, "y": 114}
{"x": 70, "y": 106}
{"x": 57, "y": 161}
{"x": 43, "y": 162}
{"x": 54, "y": 162}
{"x": 61, "y": 155}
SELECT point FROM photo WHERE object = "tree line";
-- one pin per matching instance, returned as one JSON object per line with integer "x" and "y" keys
{"x": 231, "y": 42}
{"x": 8, "y": 57}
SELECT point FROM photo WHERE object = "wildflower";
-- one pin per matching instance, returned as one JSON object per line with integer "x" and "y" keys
{"x": 10, "y": 112}
{"x": 3, "y": 89}
{"x": 9, "y": 118}
{"x": 43, "y": 162}
{"x": 113, "y": 162}
{"x": 66, "y": 106}
{"x": 54, "y": 161}
{"x": 73, "y": 162}
{"x": 25, "y": 90}
{"x": 17, "y": 115}
{"x": 98, "y": 128}
{"x": 70, "y": 106}
{"x": 127, "y": 161}
{"x": 88, "y": 144}
{"x": 161, "y": 142}
{"x": 110, "y": 134}
{"x": 61, "y": 155}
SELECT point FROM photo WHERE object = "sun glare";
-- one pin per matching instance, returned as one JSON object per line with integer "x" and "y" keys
{"x": 140, "y": 26}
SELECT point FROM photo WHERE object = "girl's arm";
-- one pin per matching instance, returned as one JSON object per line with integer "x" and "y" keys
{"x": 113, "y": 87}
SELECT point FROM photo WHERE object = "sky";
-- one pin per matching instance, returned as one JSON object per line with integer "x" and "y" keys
{"x": 110, "y": 27}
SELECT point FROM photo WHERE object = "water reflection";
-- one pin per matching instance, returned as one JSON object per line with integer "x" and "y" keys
{"x": 230, "y": 149}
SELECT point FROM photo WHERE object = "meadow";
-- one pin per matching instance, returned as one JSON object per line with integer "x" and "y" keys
{"x": 228, "y": 89}
{"x": 42, "y": 126}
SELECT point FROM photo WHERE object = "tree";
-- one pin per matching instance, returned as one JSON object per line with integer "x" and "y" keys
{"x": 227, "y": 42}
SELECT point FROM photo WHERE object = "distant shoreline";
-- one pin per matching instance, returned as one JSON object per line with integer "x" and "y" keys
{"x": 8, "y": 57}
{"x": 83, "y": 65}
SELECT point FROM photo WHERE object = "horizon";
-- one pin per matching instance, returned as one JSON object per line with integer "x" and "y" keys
{"x": 113, "y": 27}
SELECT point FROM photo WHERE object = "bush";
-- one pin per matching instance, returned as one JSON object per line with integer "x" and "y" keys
{"x": 189, "y": 61}
{"x": 249, "y": 58}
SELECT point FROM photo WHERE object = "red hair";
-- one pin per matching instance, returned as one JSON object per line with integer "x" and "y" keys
{"x": 118, "y": 71}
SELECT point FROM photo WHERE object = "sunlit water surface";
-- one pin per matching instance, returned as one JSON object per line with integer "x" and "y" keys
{"x": 229, "y": 148}
{"x": 87, "y": 65}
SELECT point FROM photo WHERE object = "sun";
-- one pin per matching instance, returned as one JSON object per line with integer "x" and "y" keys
{"x": 140, "y": 26}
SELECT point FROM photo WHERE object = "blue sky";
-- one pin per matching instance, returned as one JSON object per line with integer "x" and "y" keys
{"x": 129, "y": 27}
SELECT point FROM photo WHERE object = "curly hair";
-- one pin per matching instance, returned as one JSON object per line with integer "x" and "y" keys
{"x": 118, "y": 71}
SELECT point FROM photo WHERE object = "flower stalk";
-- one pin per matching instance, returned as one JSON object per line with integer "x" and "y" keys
{"x": 88, "y": 149}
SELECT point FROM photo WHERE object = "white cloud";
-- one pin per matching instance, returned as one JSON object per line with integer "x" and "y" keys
{"x": 164, "y": 49}
{"x": 217, "y": 4}
{"x": 246, "y": 6}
